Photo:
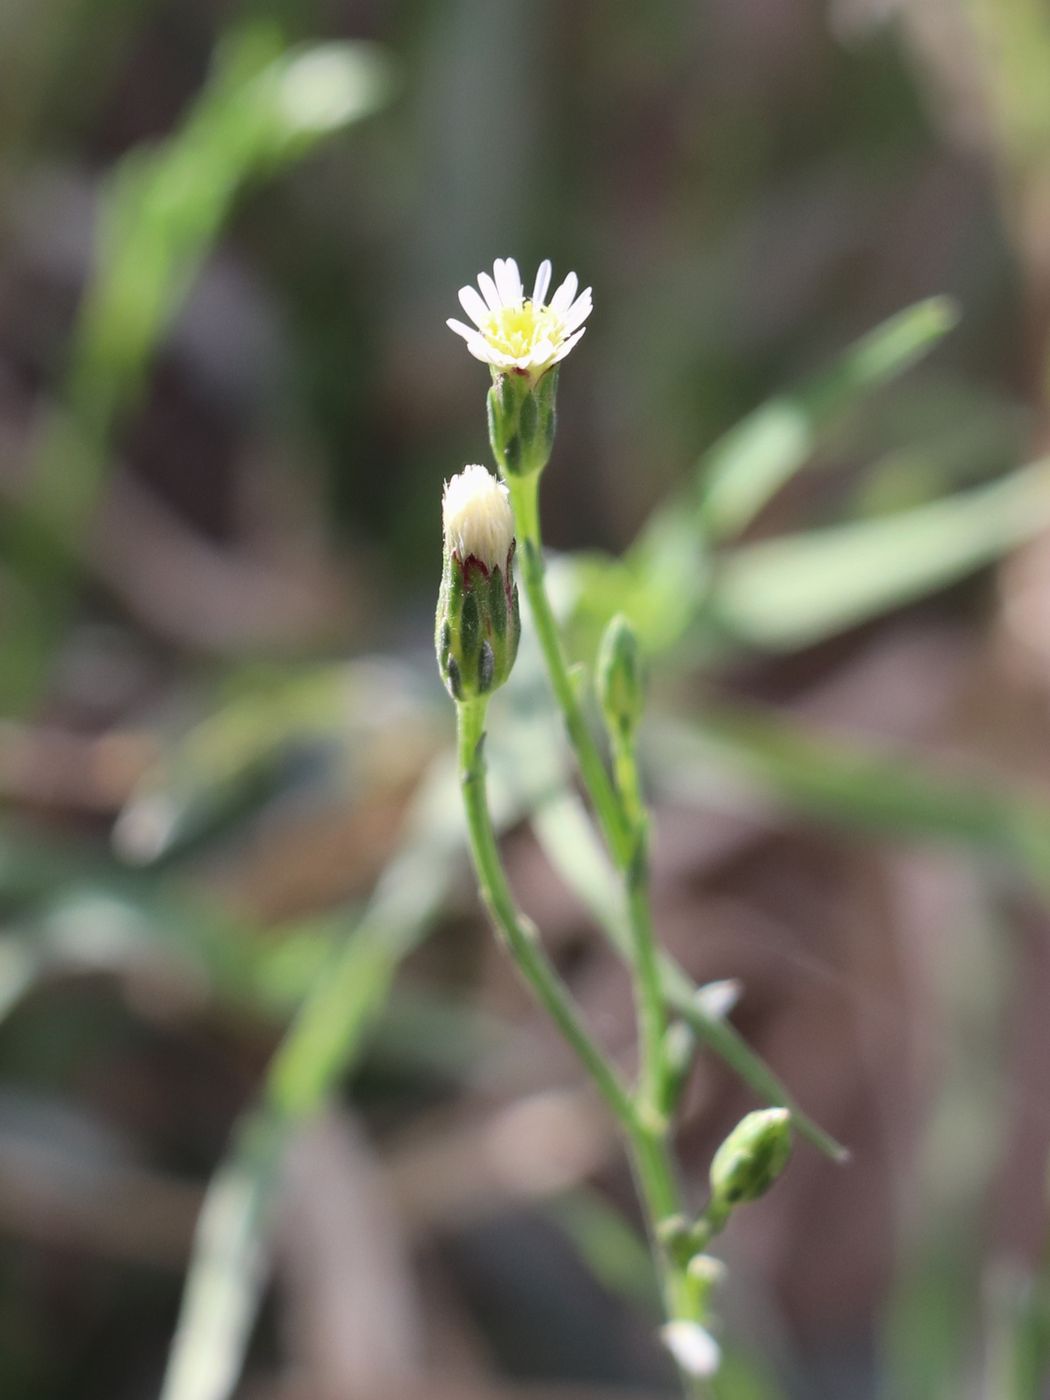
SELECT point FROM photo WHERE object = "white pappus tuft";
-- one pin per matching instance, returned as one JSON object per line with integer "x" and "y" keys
{"x": 478, "y": 520}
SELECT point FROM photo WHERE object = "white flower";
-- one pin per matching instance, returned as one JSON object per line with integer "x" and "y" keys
{"x": 514, "y": 332}
{"x": 477, "y": 517}
{"x": 693, "y": 1348}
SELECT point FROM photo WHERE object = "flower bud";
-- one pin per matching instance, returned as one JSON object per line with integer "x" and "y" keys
{"x": 620, "y": 685}
{"x": 521, "y": 420}
{"x": 478, "y": 623}
{"x": 679, "y": 1049}
{"x": 751, "y": 1158}
{"x": 694, "y": 1349}
{"x": 707, "y": 1271}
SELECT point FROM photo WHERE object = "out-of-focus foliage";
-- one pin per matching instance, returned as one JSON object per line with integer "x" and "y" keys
{"x": 264, "y": 106}
{"x": 229, "y": 882}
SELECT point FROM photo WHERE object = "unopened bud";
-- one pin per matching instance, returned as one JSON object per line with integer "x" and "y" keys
{"x": 694, "y": 1349}
{"x": 621, "y": 689}
{"x": 717, "y": 999}
{"x": 751, "y": 1158}
{"x": 679, "y": 1047}
{"x": 478, "y": 624}
{"x": 707, "y": 1270}
{"x": 521, "y": 420}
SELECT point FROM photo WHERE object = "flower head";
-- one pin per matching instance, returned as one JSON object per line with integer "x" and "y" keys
{"x": 477, "y": 517}
{"x": 478, "y": 625}
{"x": 516, "y": 333}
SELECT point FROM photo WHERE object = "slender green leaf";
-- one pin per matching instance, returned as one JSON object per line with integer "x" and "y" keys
{"x": 228, "y": 1269}
{"x": 663, "y": 580}
{"x": 162, "y": 211}
{"x": 751, "y": 751}
{"x": 324, "y": 1040}
{"x": 615, "y": 1254}
{"x": 745, "y": 467}
{"x": 794, "y": 591}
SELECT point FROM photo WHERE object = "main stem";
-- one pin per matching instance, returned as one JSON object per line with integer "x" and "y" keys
{"x": 622, "y": 820}
{"x": 520, "y": 932}
{"x": 524, "y": 497}
{"x": 647, "y": 1140}
{"x": 648, "y": 987}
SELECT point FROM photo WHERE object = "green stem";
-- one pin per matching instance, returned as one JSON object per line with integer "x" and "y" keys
{"x": 652, "y": 1020}
{"x": 524, "y": 496}
{"x": 645, "y": 956}
{"x": 519, "y": 932}
{"x": 623, "y": 821}
{"x": 650, "y": 1147}
{"x": 661, "y": 1201}
{"x": 650, "y": 1156}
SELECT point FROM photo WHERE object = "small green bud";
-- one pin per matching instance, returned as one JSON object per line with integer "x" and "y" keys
{"x": 751, "y": 1158}
{"x": 674, "y": 1233}
{"x": 679, "y": 1049}
{"x": 478, "y": 623}
{"x": 621, "y": 690}
{"x": 521, "y": 413}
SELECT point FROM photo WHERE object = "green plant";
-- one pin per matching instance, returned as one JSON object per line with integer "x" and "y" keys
{"x": 523, "y": 339}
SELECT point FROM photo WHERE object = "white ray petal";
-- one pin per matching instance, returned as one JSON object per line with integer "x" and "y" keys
{"x": 461, "y": 328}
{"x": 562, "y": 298}
{"x": 479, "y": 348}
{"x": 542, "y": 352}
{"x": 472, "y": 304}
{"x": 579, "y": 311}
{"x": 543, "y": 281}
{"x": 488, "y": 291}
{"x": 564, "y": 349}
{"x": 508, "y": 281}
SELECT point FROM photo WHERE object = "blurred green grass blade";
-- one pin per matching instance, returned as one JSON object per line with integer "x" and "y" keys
{"x": 866, "y": 789}
{"x": 931, "y": 1319}
{"x": 228, "y": 1272}
{"x": 83, "y": 906}
{"x": 326, "y": 1036}
{"x": 262, "y": 730}
{"x": 1018, "y": 1348}
{"x": 20, "y": 967}
{"x": 663, "y": 579}
{"x": 165, "y": 206}
{"x": 614, "y": 1252}
{"x": 1019, "y": 1344}
{"x": 162, "y": 211}
{"x": 84, "y": 911}
{"x": 745, "y": 467}
{"x": 798, "y": 590}
{"x": 231, "y": 759}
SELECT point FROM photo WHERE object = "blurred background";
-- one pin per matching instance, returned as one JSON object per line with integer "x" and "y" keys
{"x": 241, "y": 958}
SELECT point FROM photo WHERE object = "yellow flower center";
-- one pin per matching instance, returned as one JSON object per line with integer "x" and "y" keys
{"x": 515, "y": 330}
